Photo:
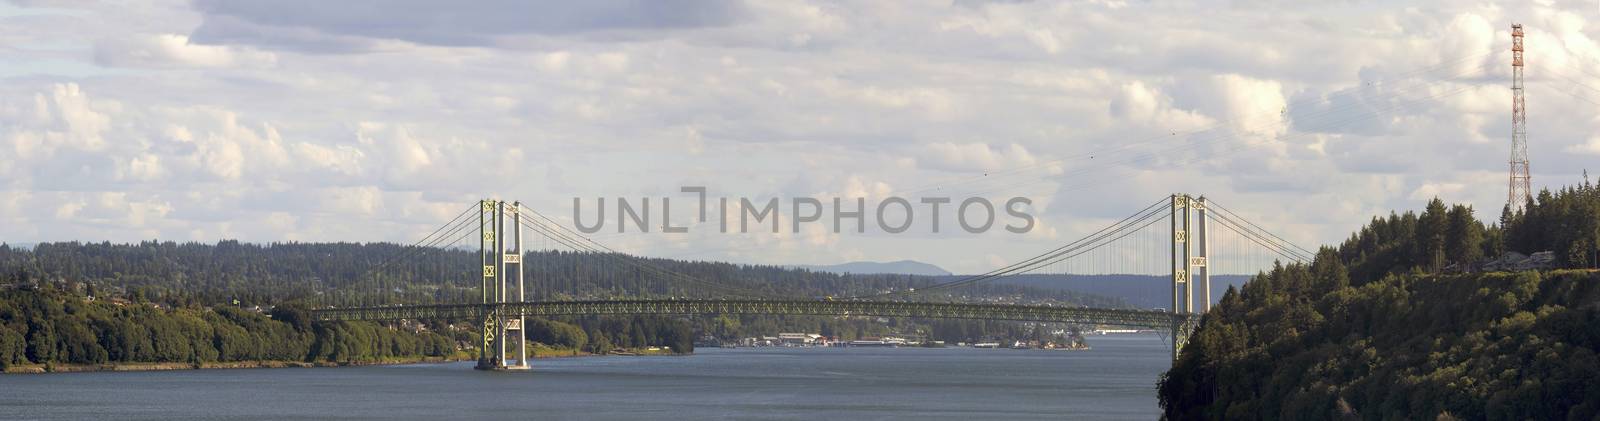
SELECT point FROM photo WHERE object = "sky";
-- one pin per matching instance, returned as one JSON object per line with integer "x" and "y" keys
{"x": 364, "y": 120}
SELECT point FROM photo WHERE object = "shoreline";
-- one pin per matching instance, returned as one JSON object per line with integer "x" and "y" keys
{"x": 230, "y": 365}
{"x": 242, "y": 365}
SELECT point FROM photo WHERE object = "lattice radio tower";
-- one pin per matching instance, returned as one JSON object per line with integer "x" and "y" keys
{"x": 1519, "y": 192}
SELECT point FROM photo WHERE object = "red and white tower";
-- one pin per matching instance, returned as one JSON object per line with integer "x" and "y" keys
{"x": 1519, "y": 192}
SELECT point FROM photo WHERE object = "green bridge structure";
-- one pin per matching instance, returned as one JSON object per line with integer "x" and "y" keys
{"x": 503, "y": 308}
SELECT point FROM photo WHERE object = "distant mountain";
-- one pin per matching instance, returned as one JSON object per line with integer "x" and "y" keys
{"x": 1142, "y": 291}
{"x": 903, "y": 267}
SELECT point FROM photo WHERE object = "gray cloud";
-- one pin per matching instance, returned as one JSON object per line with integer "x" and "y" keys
{"x": 355, "y": 25}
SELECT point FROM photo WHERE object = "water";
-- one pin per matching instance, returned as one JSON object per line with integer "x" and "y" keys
{"x": 1115, "y": 380}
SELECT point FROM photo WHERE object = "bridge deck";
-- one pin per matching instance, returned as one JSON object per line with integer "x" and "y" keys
{"x": 1151, "y": 319}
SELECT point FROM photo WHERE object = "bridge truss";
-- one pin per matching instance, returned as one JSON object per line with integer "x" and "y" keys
{"x": 1143, "y": 319}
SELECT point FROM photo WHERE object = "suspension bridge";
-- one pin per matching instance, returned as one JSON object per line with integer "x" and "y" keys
{"x": 1199, "y": 239}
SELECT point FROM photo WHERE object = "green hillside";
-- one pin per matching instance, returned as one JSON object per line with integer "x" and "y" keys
{"x": 1398, "y": 323}
{"x": 1494, "y": 345}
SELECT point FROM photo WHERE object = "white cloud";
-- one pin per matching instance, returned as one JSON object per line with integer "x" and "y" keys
{"x": 65, "y": 117}
{"x": 344, "y": 160}
{"x": 175, "y": 50}
{"x": 1428, "y": 191}
{"x": 1591, "y": 146}
{"x": 1255, "y": 108}
{"x": 1140, "y": 103}
{"x": 145, "y": 167}
{"x": 976, "y": 156}
{"x": 212, "y": 119}
{"x": 857, "y": 187}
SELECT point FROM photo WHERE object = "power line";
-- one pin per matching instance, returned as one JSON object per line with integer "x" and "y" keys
{"x": 1126, "y": 145}
{"x": 572, "y": 239}
{"x": 1092, "y": 238}
{"x": 1212, "y": 204}
{"x": 1192, "y": 159}
{"x": 432, "y": 239}
{"x": 1280, "y": 251}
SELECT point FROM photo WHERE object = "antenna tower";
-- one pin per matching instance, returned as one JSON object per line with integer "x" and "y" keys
{"x": 1519, "y": 193}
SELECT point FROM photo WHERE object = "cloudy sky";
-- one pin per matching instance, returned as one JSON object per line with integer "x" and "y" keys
{"x": 369, "y": 120}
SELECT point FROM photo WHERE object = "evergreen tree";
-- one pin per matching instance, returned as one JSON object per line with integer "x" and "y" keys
{"x": 1463, "y": 237}
{"x": 1432, "y": 231}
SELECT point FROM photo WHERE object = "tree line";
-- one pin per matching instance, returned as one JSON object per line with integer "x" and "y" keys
{"x": 1441, "y": 238}
{"x": 1378, "y": 329}
{"x": 345, "y": 274}
{"x": 600, "y": 335}
{"x": 311, "y": 275}
{"x": 49, "y": 326}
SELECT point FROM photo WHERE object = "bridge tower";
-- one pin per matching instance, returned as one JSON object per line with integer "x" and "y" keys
{"x": 502, "y": 272}
{"x": 1185, "y": 265}
{"x": 1201, "y": 263}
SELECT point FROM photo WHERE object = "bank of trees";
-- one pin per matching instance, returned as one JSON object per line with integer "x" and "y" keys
{"x": 184, "y": 274}
{"x": 192, "y": 275}
{"x": 600, "y": 335}
{"x": 47, "y": 326}
{"x": 1565, "y": 222}
{"x": 1374, "y": 330}
{"x": 1440, "y": 237}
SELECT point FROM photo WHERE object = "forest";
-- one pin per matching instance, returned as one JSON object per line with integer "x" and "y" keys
{"x": 383, "y": 274}
{"x": 186, "y": 302}
{"x": 48, "y": 326}
{"x": 1395, "y": 324}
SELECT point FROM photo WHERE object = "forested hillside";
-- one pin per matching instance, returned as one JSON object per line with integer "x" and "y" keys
{"x": 1381, "y": 328}
{"x": 49, "y": 327}
{"x": 193, "y": 273}
{"x": 1143, "y": 291}
{"x": 206, "y": 285}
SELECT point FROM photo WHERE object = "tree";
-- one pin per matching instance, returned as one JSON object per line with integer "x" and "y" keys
{"x": 599, "y": 343}
{"x": 558, "y": 334}
{"x": 1464, "y": 236}
{"x": 1327, "y": 271}
{"x": 1494, "y": 242}
{"x": 41, "y": 341}
{"x": 77, "y": 344}
{"x": 295, "y": 315}
{"x": 1432, "y": 231}
{"x": 638, "y": 339}
{"x": 13, "y": 348}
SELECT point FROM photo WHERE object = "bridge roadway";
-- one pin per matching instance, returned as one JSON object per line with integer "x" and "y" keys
{"x": 1147, "y": 319}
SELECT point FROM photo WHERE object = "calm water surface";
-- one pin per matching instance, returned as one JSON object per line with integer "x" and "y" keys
{"x": 1115, "y": 380}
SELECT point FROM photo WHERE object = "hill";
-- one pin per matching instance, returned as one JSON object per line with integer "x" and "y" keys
{"x": 1380, "y": 329}
{"x": 203, "y": 278}
{"x": 1476, "y": 346}
{"x": 268, "y": 274}
{"x": 1142, "y": 291}
{"x": 902, "y": 267}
